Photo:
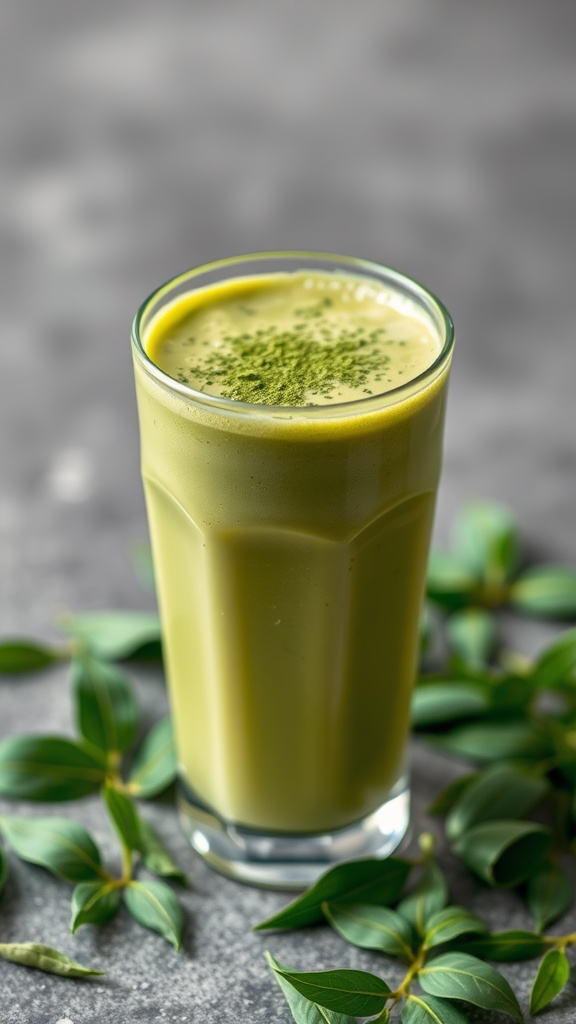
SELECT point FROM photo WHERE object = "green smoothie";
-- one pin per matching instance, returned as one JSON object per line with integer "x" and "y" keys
{"x": 291, "y": 429}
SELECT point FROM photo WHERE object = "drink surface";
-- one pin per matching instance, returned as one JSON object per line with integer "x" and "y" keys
{"x": 305, "y": 338}
{"x": 290, "y": 551}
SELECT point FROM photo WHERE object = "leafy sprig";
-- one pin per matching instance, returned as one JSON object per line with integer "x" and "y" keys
{"x": 54, "y": 768}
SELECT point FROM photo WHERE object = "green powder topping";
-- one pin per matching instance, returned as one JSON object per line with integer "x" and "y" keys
{"x": 272, "y": 367}
{"x": 292, "y": 340}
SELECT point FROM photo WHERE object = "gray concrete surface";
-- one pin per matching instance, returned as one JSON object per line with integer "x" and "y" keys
{"x": 140, "y": 139}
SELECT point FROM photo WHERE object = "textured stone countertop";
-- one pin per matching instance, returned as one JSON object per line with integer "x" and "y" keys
{"x": 139, "y": 140}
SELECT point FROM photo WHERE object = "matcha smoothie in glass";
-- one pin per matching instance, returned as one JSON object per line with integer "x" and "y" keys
{"x": 291, "y": 411}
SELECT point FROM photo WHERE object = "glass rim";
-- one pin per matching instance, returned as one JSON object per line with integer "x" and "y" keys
{"x": 417, "y": 291}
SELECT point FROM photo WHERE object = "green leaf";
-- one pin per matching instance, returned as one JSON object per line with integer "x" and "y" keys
{"x": 44, "y": 958}
{"x": 155, "y": 906}
{"x": 552, "y": 975}
{"x": 447, "y": 798}
{"x": 557, "y": 661}
{"x": 306, "y": 1012}
{"x": 115, "y": 635}
{"x": 106, "y": 710}
{"x": 449, "y": 582}
{"x": 141, "y": 558}
{"x": 57, "y": 844}
{"x": 461, "y": 976}
{"x": 356, "y": 881}
{"x": 419, "y": 1009}
{"x": 507, "y": 947}
{"x": 549, "y": 895}
{"x": 472, "y": 634}
{"x": 371, "y": 927}
{"x": 500, "y": 791}
{"x": 440, "y": 703}
{"x": 155, "y": 764}
{"x": 3, "y": 870}
{"x": 48, "y": 768}
{"x": 486, "y": 539}
{"x": 430, "y": 895}
{"x": 504, "y": 853}
{"x": 94, "y": 903}
{"x": 156, "y": 857}
{"x": 495, "y": 741}
{"x": 124, "y": 817}
{"x": 450, "y": 923}
{"x": 350, "y": 992}
{"x": 546, "y": 591}
{"x": 20, "y": 656}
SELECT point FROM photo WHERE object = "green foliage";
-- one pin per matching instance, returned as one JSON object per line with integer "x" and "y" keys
{"x": 44, "y": 958}
{"x": 57, "y": 844}
{"x": 116, "y": 635}
{"x": 371, "y": 927}
{"x": 553, "y": 974}
{"x": 105, "y": 706}
{"x": 364, "y": 881}
{"x": 155, "y": 765}
{"x": 548, "y": 591}
{"x": 351, "y": 992}
{"x": 48, "y": 768}
{"x": 465, "y": 977}
{"x": 21, "y": 656}
{"x": 155, "y": 906}
{"x": 94, "y": 903}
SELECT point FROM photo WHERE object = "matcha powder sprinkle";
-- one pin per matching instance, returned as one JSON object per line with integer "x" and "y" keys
{"x": 274, "y": 367}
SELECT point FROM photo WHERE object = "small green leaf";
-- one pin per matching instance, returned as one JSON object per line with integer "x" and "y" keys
{"x": 461, "y": 976}
{"x": 57, "y": 844}
{"x": 504, "y": 853}
{"x": 495, "y": 741}
{"x": 500, "y": 791}
{"x": 422, "y": 1009}
{"x": 557, "y": 661}
{"x": 428, "y": 896}
{"x": 155, "y": 764}
{"x": 106, "y": 710}
{"x": 48, "y": 768}
{"x": 449, "y": 582}
{"x": 20, "y": 656}
{"x": 115, "y": 635}
{"x": 371, "y": 927}
{"x": 156, "y": 857}
{"x": 94, "y": 903}
{"x": 547, "y": 591}
{"x": 472, "y": 634}
{"x": 3, "y": 870}
{"x": 451, "y": 923}
{"x": 448, "y": 797}
{"x": 486, "y": 539}
{"x": 552, "y": 975}
{"x": 358, "y": 993}
{"x": 357, "y": 881}
{"x": 507, "y": 947}
{"x": 44, "y": 958}
{"x": 155, "y": 906}
{"x": 439, "y": 703}
{"x": 549, "y": 895}
{"x": 124, "y": 817}
{"x": 305, "y": 1012}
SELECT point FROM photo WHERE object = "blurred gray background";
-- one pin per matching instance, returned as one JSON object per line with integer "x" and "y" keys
{"x": 137, "y": 140}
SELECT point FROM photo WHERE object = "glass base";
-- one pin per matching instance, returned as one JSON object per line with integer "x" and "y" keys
{"x": 284, "y": 861}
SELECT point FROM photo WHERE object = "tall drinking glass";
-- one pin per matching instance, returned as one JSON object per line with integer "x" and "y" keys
{"x": 290, "y": 547}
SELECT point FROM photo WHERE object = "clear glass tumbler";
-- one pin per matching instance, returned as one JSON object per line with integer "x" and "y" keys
{"x": 290, "y": 548}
